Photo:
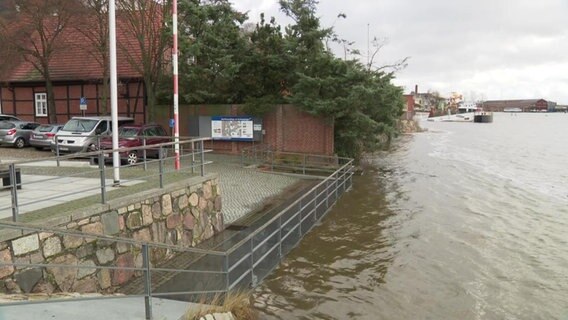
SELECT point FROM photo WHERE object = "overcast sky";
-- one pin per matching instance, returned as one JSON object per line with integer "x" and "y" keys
{"x": 484, "y": 49}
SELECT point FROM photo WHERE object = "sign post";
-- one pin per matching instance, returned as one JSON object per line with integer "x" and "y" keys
{"x": 83, "y": 105}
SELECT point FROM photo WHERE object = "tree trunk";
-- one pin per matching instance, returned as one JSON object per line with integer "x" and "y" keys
{"x": 51, "y": 110}
{"x": 150, "y": 99}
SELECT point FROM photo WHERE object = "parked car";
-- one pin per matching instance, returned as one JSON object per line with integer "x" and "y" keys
{"x": 16, "y": 133}
{"x": 7, "y": 117}
{"x": 81, "y": 134}
{"x": 132, "y": 136}
{"x": 42, "y": 136}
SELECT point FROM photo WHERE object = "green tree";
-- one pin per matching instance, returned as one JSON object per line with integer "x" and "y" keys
{"x": 212, "y": 46}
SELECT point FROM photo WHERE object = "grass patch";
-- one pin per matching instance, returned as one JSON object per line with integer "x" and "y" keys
{"x": 237, "y": 302}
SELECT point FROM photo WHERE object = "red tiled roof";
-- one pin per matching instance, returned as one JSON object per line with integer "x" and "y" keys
{"x": 76, "y": 61}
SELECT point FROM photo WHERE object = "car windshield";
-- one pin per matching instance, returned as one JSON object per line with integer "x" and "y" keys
{"x": 127, "y": 132}
{"x": 80, "y": 125}
{"x": 44, "y": 128}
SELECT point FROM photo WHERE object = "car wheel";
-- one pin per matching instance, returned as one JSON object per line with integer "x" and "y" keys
{"x": 92, "y": 148}
{"x": 132, "y": 158}
{"x": 20, "y": 143}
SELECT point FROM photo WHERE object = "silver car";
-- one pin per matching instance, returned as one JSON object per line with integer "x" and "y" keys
{"x": 43, "y": 136}
{"x": 16, "y": 133}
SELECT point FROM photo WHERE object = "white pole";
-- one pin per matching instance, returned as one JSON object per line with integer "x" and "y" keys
{"x": 113, "y": 90}
{"x": 176, "y": 88}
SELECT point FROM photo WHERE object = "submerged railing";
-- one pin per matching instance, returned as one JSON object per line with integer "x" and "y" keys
{"x": 175, "y": 272}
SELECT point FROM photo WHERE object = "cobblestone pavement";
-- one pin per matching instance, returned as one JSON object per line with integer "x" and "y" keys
{"x": 245, "y": 189}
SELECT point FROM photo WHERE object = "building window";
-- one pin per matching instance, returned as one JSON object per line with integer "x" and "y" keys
{"x": 41, "y": 104}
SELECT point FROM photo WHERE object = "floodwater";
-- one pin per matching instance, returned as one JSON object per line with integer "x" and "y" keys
{"x": 464, "y": 221}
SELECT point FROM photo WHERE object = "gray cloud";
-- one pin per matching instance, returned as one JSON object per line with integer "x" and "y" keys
{"x": 498, "y": 49}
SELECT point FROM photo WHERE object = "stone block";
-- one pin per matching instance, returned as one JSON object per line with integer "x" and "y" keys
{"x": 183, "y": 202}
{"x": 156, "y": 211}
{"x": 121, "y": 276}
{"x": 96, "y": 219}
{"x": 64, "y": 277}
{"x": 85, "y": 250}
{"x": 188, "y": 221}
{"x": 110, "y": 223}
{"x": 142, "y": 235}
{"x": 121, "y": 223}
{"x": 6, "y": 257}
{"x": 207, "y": 190}
{"x": 147, "y": 218}
{"x": 43, "y": 287}
{"x": 104, "y": 278}
{"x": 122, "y": 247}
{"x": 218, "y": 204}
{"x": 159, "y": 231}
{"x": 44, "y": 235}
{"x": 202, "y": 203}
{"x": 193, "y": 199}
{"x": 134, "y": 220}
{"x": 88, "y": 285}
{"x": 25, "y": 244}
{"x": 83, "y": 222}
{"x": 173, "y": 221}
{"x": 83, "y": 271}
{"x": 51, "y": 247}
{"x": 122, "y": 210}
{"x": 71, "y": 242}
{"x": 28, "y": 279}
{"x": 167, "y": 205}
{"x": 93, "y": 228}
{"x": 105, "y": 255}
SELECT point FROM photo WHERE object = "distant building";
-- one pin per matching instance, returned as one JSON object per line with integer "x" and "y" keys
{"x": 427, "y": 101}
{"x": 528, "y": 105}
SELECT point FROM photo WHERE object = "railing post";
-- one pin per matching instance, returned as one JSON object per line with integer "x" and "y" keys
{"x": 280, "y": 236}
{"x": 202, "y": 158}
{"x": 227, "y": 273}
{"x": 304, "y": 165}
{"x": 192, "y": 156}
{"x": 161, "y": 170}
{"x": 144, "y": 152}
{"x": 337, "y": 185}
{"x": 147, "y": 281}
{"x": 14, "y": 184}
{"x": 252, "y": 277}
{"x": 102, "y": 174}
{"x": 57, "y": 150}
{"x": 271, "y": 160}
{"x": 300, "y": 223}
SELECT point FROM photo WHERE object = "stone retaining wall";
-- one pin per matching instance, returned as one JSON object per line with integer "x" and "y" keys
{"x": 182, "y": 214}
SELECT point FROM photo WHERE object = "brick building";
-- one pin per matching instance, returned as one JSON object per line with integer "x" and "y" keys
{"x": 526, "y": 105}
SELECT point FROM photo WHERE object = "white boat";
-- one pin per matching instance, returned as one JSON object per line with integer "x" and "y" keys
{"x": 512, "y": 110}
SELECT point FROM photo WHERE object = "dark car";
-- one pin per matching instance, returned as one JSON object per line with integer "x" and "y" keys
{"x": 16, "y": 133}
{"x": 42, "y": 137}
{"x": 132, "y": 136}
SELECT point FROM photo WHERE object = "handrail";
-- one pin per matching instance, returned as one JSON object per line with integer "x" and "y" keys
{"x": 250, "y": 236}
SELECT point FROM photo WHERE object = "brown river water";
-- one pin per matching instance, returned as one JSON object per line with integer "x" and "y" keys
{"x": 464, "y": 221}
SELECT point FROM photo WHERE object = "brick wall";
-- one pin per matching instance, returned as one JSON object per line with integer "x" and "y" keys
{"x": 286, "y": 128}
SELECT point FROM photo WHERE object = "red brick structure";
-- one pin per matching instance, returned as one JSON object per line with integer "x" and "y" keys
{"x": 286, "y": 128}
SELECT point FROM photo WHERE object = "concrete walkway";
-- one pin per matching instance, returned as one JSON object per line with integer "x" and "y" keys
{"x": 107, "y": 309}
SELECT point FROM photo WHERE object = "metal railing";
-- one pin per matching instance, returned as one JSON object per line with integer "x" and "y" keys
{"x": 192, "y": 155}
{"x": 170, "y": 271}
{"x": 291, "y": 162}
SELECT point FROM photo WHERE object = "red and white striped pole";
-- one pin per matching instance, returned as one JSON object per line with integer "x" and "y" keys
{"x": 176, "y": 89}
